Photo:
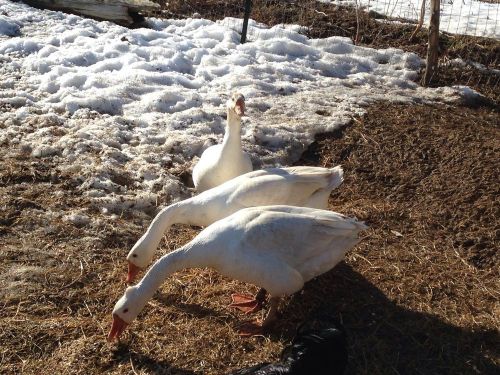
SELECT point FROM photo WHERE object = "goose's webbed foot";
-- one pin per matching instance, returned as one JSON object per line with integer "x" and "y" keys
{"x": 256, "y": 327}
{"x": 248, "y": 304}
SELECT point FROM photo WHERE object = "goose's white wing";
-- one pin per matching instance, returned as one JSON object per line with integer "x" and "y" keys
{"x": 290, "y": 186}
{"x": 297, "y": 233}
{"x": 281, "y": 247}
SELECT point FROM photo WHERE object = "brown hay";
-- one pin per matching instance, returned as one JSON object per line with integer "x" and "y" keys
{"x": 418, "y": 295}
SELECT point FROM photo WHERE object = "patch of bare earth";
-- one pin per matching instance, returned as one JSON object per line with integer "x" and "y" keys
{"x": 425, "y": 178}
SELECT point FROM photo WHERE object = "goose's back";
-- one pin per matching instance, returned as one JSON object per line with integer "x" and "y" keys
{"x": 281, "y": 247}
{"x": 280, "y": 186}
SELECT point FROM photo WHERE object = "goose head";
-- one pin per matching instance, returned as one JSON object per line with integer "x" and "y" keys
{"x": 125, "y": 311}
{"x": 236, "y": 105}
{"x": 138, "y": 258}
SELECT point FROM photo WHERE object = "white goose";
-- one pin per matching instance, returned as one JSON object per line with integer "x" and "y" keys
{"x": 220, "y": 163}
{"x": 278, "y": 248}
{"x": 294, "y": 186}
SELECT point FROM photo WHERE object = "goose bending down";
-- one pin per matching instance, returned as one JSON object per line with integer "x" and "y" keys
{"x": 278, "y": 248}
{"x": 220, "y": 163}
{"x": 295, "y": 186}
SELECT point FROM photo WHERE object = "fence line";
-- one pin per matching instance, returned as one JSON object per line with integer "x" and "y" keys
{"x": 470, "y": 17}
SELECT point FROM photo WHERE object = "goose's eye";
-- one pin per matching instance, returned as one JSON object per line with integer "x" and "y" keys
{"x": 125, "y": 310}
{"x": 134, "y": 255}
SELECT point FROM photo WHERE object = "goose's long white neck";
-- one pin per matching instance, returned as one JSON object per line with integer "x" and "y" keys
{"x": 232, "y": 135}
{"x": 188, "y": 256}
{"x": 174, "y": 214}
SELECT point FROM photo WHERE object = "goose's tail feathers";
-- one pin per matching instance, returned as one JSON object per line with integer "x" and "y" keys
{"x": 320, "y": 198}
{"x": 336, "y": 177}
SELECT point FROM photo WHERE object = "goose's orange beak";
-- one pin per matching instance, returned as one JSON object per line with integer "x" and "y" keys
{"x": 133, "y": 270}
{"x": 240, "y": 107}
{"x": 117, "y": 328}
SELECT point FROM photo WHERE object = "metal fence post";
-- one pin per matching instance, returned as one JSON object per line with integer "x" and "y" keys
{"x": 433, "y": 47}
{"x": 248, "y": 8}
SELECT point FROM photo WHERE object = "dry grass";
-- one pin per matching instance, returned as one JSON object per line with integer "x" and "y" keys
{"x": 418, "y": 296}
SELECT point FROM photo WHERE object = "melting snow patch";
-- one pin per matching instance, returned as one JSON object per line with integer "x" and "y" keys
{"x": 8, "y": 27}
{"x": 127, "y": 111}
{"x": 77, "y": 219}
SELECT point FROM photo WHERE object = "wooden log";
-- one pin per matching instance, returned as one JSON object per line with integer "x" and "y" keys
{"x": 123, "y": 12}
{"x": 433, "y": 46}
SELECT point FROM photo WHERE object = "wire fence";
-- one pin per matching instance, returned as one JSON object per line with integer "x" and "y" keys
{"x": 469, "y": 17}
{"x": 465, "y": 17}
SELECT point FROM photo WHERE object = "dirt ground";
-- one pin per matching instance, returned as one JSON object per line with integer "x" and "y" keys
{"x": 419, "y": 294}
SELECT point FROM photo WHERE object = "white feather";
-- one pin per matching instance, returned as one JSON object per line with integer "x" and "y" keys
{"x": 220, "y": 163}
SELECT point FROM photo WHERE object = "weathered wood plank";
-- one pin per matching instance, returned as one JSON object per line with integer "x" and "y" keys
{"x": 124, "y": 12}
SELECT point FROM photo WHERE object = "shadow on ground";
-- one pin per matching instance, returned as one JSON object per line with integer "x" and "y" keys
{"x": 142, "y": 361}
{"x": 385, "y": 338}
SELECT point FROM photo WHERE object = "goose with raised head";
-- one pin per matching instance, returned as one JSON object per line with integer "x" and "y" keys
{"x": 220, "y": 163}
{"x": 294, "y": 186}
{"x": 278, "y": 248}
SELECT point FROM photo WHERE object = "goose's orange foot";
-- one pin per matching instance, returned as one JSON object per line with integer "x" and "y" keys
{"x": 251, "y": 328}
{"x": 247, "y": 304}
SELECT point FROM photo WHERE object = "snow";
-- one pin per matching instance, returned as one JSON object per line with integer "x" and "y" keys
{"x": 77, "y": 219}
{"x": 8, "y": 27}
{"x": 128, "y": 111}
{"x": 468, "y": 17}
